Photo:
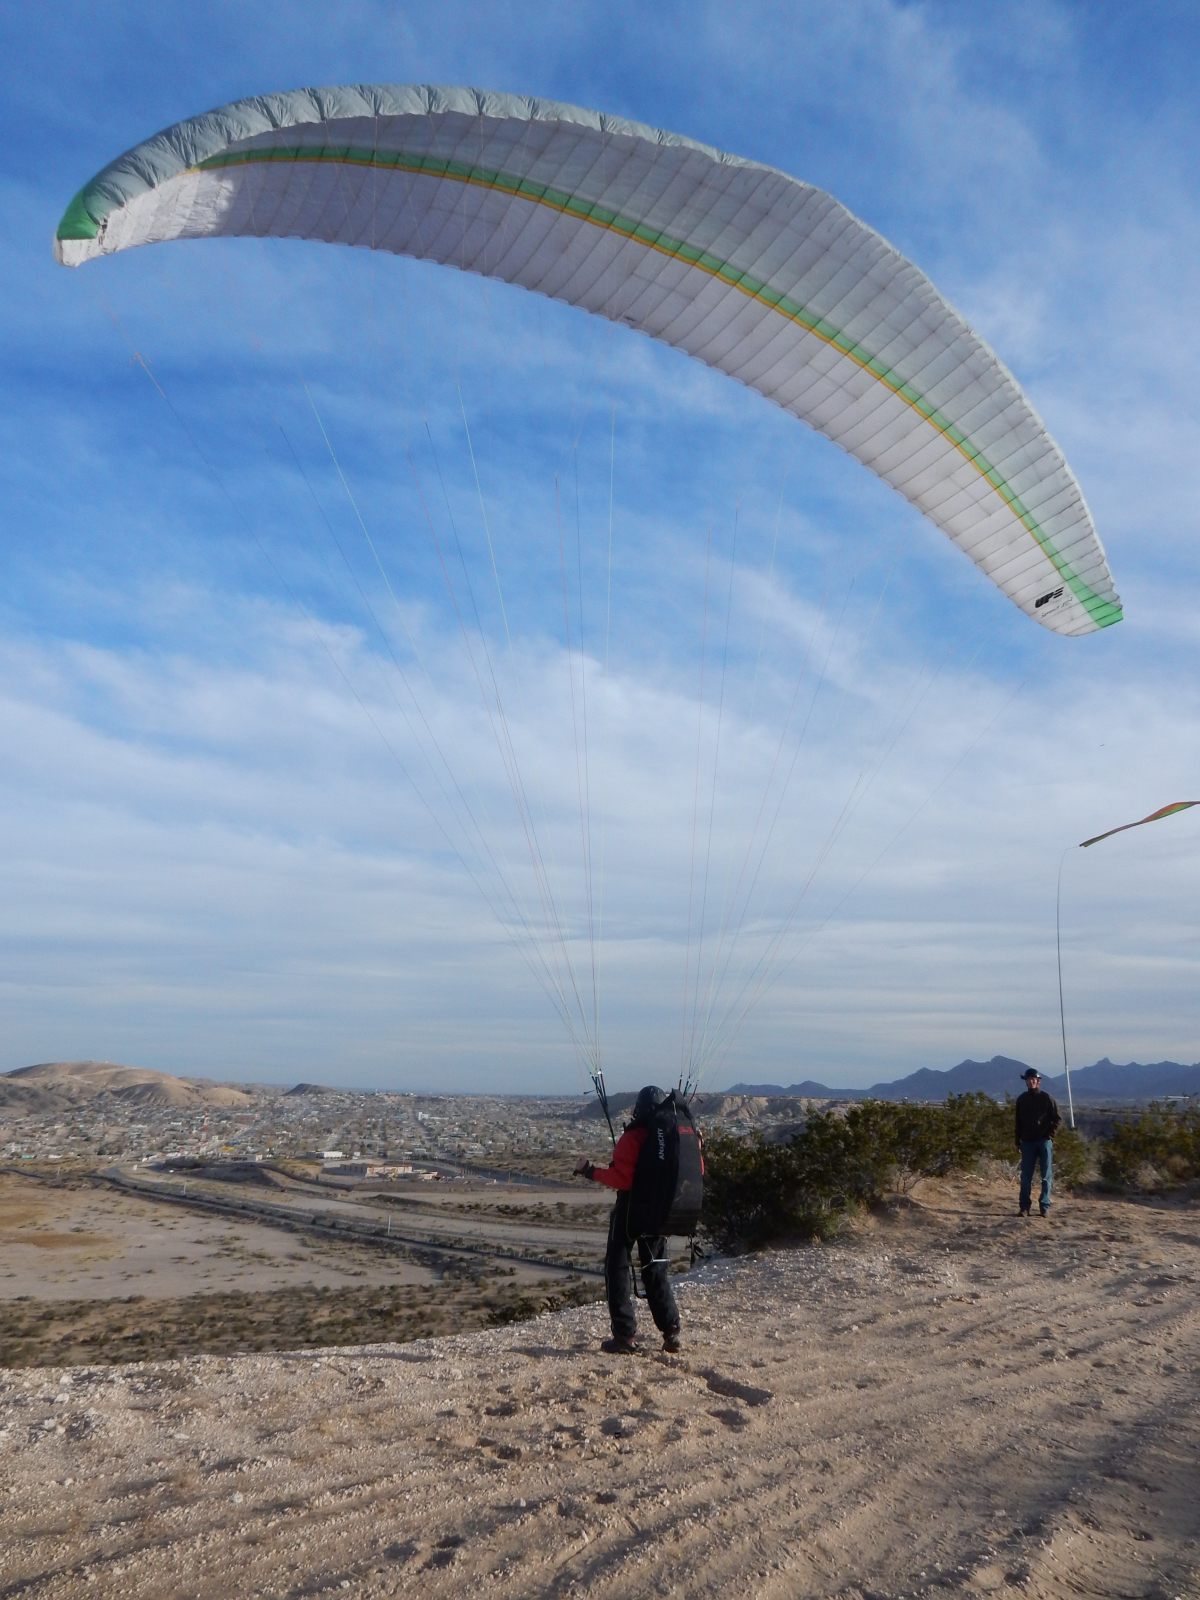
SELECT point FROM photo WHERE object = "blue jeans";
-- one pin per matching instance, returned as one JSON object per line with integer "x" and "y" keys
{"x": 1035, "y": 1153}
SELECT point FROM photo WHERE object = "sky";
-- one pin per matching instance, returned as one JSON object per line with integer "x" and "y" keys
{"x": 254, "y": 817}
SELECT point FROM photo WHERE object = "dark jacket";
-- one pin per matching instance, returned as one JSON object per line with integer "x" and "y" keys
{"x": 1037, "y": 1116}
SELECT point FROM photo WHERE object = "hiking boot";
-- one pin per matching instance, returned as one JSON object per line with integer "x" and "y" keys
{"x": 1024, "y": 1211}
{"x": 1044, "y": 1211}
{"x": 617, "y": 1346}
{"x": 672, "y": 1343}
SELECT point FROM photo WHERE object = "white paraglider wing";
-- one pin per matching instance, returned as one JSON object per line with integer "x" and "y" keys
{"x": 754, "y": 273}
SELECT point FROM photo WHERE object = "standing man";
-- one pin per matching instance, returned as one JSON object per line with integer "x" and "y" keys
{"x": 1038, "y": 1120}
{"x": 618, "y": 1260}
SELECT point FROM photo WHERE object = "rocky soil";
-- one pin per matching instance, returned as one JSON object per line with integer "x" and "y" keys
{"x": 949, "y": 1402}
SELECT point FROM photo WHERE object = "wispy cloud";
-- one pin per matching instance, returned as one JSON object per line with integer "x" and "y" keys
{"x": 256, "y": 779}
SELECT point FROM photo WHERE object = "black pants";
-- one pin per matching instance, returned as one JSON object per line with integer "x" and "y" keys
{"x": 618, "y": 1278}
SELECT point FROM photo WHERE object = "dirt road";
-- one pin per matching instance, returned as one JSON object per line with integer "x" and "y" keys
{"x": 951, "y": 1403}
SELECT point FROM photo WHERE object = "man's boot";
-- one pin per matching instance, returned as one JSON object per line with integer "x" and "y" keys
{"x": 617, "y": 1346}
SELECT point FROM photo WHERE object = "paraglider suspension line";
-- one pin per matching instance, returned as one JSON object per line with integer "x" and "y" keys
{"x": 602, "y": 1096}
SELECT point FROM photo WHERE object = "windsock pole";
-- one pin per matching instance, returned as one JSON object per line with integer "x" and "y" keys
{"x": 1062, "y": 1017}
{"x": 1155, "y": 816}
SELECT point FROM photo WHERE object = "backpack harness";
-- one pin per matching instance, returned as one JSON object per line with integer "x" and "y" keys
{"x": 668, "y": 1182}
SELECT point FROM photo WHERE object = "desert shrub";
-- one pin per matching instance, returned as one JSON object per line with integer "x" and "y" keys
{"x": 1074, "y": 1158}
{"x": 954, "y": 1135}
{"x": 1157, "y": 1149}
{"x": 755, "y": 1191}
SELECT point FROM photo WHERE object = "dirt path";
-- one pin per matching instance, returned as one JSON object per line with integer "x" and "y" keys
{"x": 953, "y": 1403}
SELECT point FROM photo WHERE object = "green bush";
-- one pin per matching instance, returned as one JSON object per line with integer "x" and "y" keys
{"x": 755, "y": 1191}
{"x": 1074, "y": 1158}
{"x": 1157, "y": 1149}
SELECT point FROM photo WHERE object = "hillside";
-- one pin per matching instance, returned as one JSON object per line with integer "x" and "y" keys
{"x": 53, "y": 1085}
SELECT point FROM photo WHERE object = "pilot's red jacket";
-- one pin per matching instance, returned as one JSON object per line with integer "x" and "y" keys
{"x": 620, "y": 1175}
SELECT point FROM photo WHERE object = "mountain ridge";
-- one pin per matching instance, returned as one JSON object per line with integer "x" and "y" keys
{"x": 1104, "y": 1080}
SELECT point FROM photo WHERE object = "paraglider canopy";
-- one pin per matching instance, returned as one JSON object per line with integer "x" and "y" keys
{"x": 753, "y": 272}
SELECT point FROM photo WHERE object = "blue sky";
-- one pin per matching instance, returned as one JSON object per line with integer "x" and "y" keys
{"x": 213, "y": 862}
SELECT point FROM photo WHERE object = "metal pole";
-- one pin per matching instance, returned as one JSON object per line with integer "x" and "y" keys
{"x": 1061, "y": 1013}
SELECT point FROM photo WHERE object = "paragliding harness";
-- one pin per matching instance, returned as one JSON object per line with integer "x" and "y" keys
{"x": 668, "y": 1181}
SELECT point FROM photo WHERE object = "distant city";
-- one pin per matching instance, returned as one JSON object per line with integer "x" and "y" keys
{"x": 157, "y": 1118}
{"x": 99, "y": 1110}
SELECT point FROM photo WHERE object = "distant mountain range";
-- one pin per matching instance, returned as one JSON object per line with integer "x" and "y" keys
{"x": 61, "y": 1085}
{"x": 1103, "y": 1083}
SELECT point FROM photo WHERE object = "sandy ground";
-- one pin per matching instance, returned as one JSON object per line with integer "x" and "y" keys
{"x": 953, "y": 1402}
{"x": 64, "y": 1243}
